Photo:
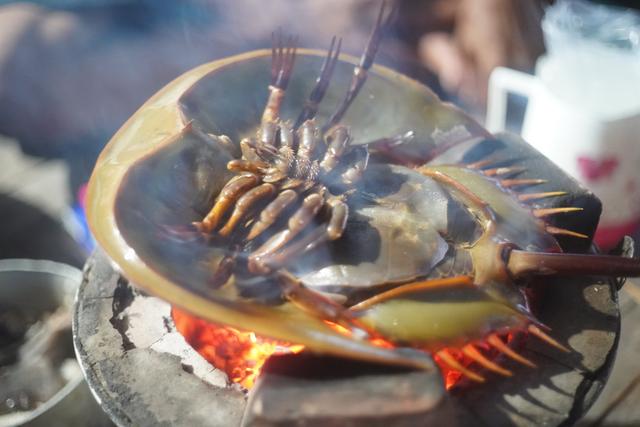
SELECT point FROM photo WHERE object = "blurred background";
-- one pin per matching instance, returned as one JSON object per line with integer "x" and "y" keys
{"x": 72, "y": 71}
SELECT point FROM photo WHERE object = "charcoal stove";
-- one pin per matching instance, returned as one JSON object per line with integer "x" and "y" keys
{"x": 143, "y": 372}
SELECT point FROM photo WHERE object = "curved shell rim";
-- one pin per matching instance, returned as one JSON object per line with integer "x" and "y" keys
{"x": 111, "y": 169}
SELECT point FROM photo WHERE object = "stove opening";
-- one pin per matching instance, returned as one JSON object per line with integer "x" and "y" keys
{"x": 241, "y": 354}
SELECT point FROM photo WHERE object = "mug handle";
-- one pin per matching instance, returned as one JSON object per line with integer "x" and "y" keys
{"x": 502, "y": 82}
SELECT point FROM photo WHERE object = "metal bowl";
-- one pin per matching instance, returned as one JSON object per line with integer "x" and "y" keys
{"x": 42, "y": 286}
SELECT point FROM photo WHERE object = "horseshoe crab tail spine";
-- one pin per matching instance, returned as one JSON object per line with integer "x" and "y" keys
{"x": 523, "y": 263}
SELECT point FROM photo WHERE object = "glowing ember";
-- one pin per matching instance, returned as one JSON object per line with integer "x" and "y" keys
{"x": 240, "y": 354}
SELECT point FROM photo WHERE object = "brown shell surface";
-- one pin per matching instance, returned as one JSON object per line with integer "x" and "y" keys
{"x": 161, "y": 171}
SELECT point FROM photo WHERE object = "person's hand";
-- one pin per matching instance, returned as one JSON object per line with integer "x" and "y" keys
{"x": 486, "y": 34}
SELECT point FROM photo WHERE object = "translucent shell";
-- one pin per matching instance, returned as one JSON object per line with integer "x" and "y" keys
{"x": 165, "y": 166}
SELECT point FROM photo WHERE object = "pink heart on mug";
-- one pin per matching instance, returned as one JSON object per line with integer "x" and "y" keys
{"x": 595, "y": 170}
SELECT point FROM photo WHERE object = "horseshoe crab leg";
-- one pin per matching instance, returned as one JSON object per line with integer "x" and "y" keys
{"x": 297, "y": 168}
{"x": 355, "y": 171}
{"x": 337, "y": 144}
{"x": 287, "y": 136}
{"x": 268, "y": 134}
{"x": 317, "y": 304}
{"x": 282, "y": 164}
{"x": 285, "y": 157}
{"x": 268, "y": 258}
{"x": 249, "y": 150}
{"x": 223, "y": 272}
{"x": 298, "y": 222}
{"x": 308, "y": 140}
{"x": 233, "y": 190}
{"x": 322, "y": 83}
{"x": 282, "y": 59}
{"x": 242, "y": 165}
{"x": 271, "y": 212}
{"x": 254, "y": 151}
{"x": 361, "y": 70}
{"x": 244, "y": 205}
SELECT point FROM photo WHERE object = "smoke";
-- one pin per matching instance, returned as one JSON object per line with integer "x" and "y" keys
{"x": 75, "y": 73}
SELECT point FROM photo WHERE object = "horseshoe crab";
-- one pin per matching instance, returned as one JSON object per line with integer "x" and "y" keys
{"x": 243, "y": 200}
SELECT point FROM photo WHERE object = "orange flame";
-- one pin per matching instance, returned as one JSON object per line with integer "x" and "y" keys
{"x": 240, "y": 354}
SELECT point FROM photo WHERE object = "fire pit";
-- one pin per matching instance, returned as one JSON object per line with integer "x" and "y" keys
{"x": 144, "y": 372}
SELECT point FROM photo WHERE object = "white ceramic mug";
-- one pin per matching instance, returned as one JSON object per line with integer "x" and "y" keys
{"x": 597, "y": 142}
